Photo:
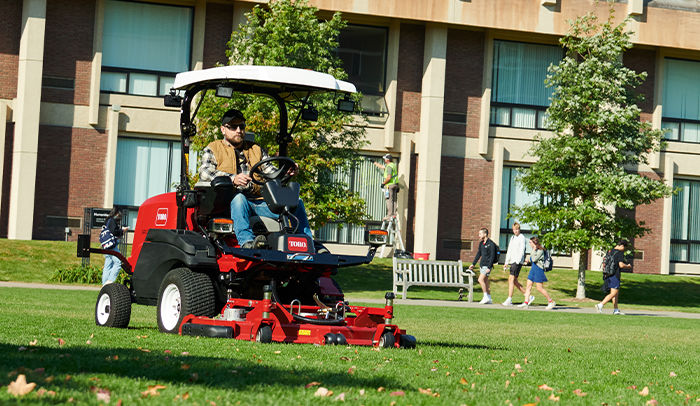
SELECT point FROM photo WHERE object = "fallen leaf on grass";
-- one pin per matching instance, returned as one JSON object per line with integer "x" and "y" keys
{"x": 615, "y": 372}
{"x": 494, "y": 360}
{"x": 645, "y": 391}
{"x": 344, "y": 359}
{"x": 185, "y": 366}
{"x": 323, "y": 392}
{"x": 507, "y": 383}
{"x": 425, "y": 391}
{"x": 20, "y": 387}
{"x": 352, "y": 370}
{"x": 579, "y": 392}
{"x": 61, "y": 341}
{"x": 672, "y": 374}
{"x": 530, "y": 404}
{"x": 433, "y": 369}
{"x": 362, "y": 392}
{"x": 88, "y": 342}
{"x": 152, "y": 390}
{"x": 652, "y": 402}
{"x": 34, "y": 342}
{"x": 397, "y": 393}
{"x": 381, "y": 389}
{"x": 544, "y": 387}
{"x": 278, "y": 352}
{"x": 632, "y": 387}
{"x": 185, "y": 353}
{"x": 103, "y": 395}
{"x": 340, "y": 397}
{"x": 517, "y": 366}
{"x": 308, "y": 385}
{"x": 463, "y": 381}
{"x": 554, "y": 398}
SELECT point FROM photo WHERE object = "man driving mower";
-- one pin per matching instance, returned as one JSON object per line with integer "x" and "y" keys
{"x": 233, "y": 157}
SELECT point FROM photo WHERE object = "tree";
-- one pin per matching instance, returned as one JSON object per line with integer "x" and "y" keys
{"x": 288, "y": 33}
{"x": 585, "y": 172}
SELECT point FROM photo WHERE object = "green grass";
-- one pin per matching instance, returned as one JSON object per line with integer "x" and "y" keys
{"x": 562, "y": 350}
{"x": 36, "y": 261}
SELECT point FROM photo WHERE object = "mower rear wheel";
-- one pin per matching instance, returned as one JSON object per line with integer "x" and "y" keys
{"x": 113, "y": 308}
{"x": 387, "y": 340}
{"x": 264, "y": 334}
{"x": 183, "y": 292}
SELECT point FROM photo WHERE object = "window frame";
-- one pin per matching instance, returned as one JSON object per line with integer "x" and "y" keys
{"x": 675, "y": 120}
{"x": 686, "y": 242}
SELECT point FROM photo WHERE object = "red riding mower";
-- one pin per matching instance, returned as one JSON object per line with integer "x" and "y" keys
{"x": 186, "y": 260}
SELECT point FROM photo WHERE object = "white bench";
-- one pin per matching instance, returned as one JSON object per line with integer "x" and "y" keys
{"x": 411, "y": 272}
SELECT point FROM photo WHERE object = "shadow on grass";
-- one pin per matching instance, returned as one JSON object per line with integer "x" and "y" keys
{"x": 668, "y": 292}
{"x": 172, "y": 370}
{"x": 461, "y": 346}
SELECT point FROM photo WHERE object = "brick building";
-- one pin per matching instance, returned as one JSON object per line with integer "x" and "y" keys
{"x": 453, "y": 87}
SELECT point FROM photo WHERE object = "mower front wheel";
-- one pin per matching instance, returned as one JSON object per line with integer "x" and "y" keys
{"x": 264, "y": 334}
{"x": 183, "y": 292}
{"x": 113, "y": 308}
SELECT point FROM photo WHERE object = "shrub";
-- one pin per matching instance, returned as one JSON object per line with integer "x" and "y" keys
{"x": 82, "y": 274}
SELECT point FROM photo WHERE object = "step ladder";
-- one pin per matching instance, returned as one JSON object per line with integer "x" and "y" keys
{"x": 393, "y": 228}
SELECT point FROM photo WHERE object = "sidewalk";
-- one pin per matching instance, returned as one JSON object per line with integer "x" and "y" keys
{"x": 417, "y": 302}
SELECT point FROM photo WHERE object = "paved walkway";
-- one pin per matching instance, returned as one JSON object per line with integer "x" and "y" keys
{"x": 561, "y": 307}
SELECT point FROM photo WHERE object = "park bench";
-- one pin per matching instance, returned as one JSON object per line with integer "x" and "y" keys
{"x": 411, "y": 272}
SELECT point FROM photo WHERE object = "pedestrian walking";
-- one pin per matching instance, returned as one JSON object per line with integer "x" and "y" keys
{"x": 613, "y": 281}
{"x": 486, "y": 256}
{"x": 515, "y": 257}
{"x": 113, "y": 265}
{"x": 536, "y": 276}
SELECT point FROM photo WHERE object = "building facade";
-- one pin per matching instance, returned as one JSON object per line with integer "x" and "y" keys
{"x": 454, "y": 90}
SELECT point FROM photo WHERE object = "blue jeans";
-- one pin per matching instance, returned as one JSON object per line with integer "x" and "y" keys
{"x": 112, "y": 267}
{"x": 242, "y": 209}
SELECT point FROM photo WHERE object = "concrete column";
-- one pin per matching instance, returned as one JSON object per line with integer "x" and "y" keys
{"x": 404, "y": 169}
{"x": 669, "y": 172}
{"x": 26, "y": 142}
{"x": 4, "y": 115}
{"x": 200, "y": 18}
{"x": 392, "y": 74}
{"x": 111, "y": 158}
{"x": 659, "y": 71}
{"x": 486, "y": 95}
{"x": 430, "y": 144}
{"x": 96, "y": 67}
{"x": 498, "y": 152}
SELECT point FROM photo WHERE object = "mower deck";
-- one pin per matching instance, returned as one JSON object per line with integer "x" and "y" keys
{"x": 265, "y": 321}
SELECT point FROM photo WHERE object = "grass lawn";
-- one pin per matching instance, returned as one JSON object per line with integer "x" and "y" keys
{"x": 36, "y": 261}
{"x": 469, "y": 356}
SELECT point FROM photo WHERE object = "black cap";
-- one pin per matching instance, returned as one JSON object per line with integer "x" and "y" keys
{"x": 230, "y": 115}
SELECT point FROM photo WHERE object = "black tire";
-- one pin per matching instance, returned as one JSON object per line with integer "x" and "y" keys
{"x": 183, "y": 292}
{"x": 264, "y": 334}
{"x": 387, "y": 340}
{"x": 113, "y": 307}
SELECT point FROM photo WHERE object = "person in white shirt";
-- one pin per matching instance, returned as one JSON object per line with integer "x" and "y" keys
{"x": 514, "y": 261}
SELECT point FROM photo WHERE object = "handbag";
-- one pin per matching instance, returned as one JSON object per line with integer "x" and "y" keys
{"x": 107, "y": 239}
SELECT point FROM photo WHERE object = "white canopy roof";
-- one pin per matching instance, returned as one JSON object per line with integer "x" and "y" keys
{"x": 266, "y": 76}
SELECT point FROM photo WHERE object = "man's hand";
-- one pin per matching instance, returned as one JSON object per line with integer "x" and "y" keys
{"x": 293, "y": 171}
{"x": 241, "y": 179}
{"x": 125, "y": 228}
{"x": 471, "y": 267}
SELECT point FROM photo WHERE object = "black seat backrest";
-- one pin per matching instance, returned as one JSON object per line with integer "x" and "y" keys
{"x": 215, "y": 200}
{"x": 278, "y": 197}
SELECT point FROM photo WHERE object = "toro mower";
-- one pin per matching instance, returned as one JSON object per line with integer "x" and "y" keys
{"x": 186, "y": 260}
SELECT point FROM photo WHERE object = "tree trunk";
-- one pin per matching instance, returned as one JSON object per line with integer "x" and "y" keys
{"x": 582, "y": 265}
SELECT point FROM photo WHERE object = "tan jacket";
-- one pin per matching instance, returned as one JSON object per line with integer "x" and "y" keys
{"x": 225, "y": 155}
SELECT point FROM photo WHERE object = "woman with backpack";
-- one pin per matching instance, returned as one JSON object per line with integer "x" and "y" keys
{"x": 111, "y": 229}
{"x": 536, "y": 275}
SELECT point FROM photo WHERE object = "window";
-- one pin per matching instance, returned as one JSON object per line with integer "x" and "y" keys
{"x": 519, "y": 97}
{"x": 362, "y": 50}
{"x": 143, "y": 46}
{"x": 681, "y": 100}
{"x": 146, "y": 168}
{"x": 685, "y": 222}
{"x": 364, "y": 179}
{"x": 512, "y": 194}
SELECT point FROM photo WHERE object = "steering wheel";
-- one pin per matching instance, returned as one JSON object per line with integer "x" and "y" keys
{"x": 285, "y": 165}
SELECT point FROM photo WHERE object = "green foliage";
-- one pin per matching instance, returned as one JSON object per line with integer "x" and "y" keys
{"x": 288, "y": 33}
{"x": 82, "y": 274}
{"x": 586, "y": 171}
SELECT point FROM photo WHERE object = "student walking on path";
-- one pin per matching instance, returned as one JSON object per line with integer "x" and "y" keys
{"x": 487, "y": 254}
{"x": 514, "y": 262}
{"x": 536, "y": 275}
{"x": 613, "y": 281}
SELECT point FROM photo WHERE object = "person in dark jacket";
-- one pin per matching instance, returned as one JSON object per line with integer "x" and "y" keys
{"x": 112, "y": 264}
{"x": 613, "y": 281}
{"x": 487, "y": 253}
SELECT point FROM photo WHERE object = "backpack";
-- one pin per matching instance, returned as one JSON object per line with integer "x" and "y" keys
{"x": 609, "y": 264}
{"x": 548, "y": 263}
{"x": 496, "y": 253}
{"x": 107, "y": 239}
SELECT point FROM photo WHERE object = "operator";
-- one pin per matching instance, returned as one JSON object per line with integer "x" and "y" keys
{"x": 233, "y": 156}
{"x": 391, "y": 183}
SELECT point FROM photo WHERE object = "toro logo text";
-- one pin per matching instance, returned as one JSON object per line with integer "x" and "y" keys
{"x": 162, "y": 217}
{"x": 297, "y": 244}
